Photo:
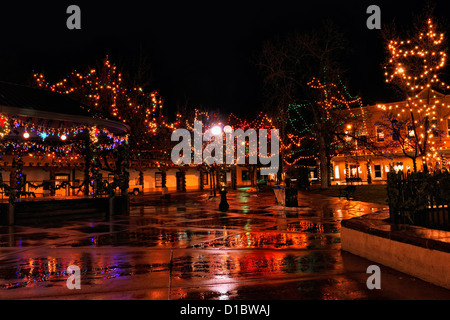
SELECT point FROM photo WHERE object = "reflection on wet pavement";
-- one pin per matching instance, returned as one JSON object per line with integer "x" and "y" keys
{"x": 188, "y": 249}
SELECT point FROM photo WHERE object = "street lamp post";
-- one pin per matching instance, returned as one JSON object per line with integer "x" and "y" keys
{"x": 223, "y": 206}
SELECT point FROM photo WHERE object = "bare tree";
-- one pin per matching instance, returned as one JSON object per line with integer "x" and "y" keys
{"x": 292, "y": 67}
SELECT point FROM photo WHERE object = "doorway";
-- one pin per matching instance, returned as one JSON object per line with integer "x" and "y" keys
{"x": 181, "y": 181}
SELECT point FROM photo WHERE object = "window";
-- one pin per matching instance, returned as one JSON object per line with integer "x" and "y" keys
{"x": 380, "y": 134}
{"x": 205, "y": 178}
{"x": 354, "y": 170}
{"x": 158, "y": 179}
{"x": 377, "y": 168}
{"x": 61, "y": 177}
{"x": 245, "y": 176}
{"x": 336, "y": 172}
{"x": 398, "y": 166}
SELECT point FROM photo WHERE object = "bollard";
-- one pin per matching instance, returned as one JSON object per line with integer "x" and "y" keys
{"x": 10, "y": 214}
{"x": 111, "y": 206}
{"x": 223, "y": 206}
{"x": 11, "y": 237}
{"x": 127, "y": 205}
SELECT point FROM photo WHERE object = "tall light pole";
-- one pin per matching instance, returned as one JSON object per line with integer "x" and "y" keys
{"x": 223, "y": 206}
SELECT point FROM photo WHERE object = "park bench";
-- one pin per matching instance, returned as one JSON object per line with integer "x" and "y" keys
{"x": 348, "y": 191}
{"x": 261, "y": 185}
{"x": 353, "y": 179}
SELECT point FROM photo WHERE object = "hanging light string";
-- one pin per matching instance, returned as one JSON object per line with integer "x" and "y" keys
{"x": 415, "y": 65}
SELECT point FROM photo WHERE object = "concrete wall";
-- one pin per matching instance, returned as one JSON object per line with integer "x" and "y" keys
{"x": 429, "y": 265}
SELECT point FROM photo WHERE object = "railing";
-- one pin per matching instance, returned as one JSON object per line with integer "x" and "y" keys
{"x": 420, "y": 199}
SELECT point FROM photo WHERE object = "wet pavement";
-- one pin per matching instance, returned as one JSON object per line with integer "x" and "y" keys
{"x": 186, "y": 248}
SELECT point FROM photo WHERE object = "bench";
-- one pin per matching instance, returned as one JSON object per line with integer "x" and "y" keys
{"x": 348, "y": 191}
{"x": 353, "y": 179}
{"x": 261, "y": 185}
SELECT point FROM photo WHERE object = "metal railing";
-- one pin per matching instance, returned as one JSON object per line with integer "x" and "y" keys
{"x": 420, "y": 199}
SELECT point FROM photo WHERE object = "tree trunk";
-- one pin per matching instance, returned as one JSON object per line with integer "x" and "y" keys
{"x": 324, "y": 172}
{"x": 280, "y": 170}
{"x": 87, "y": 167}
{"x": 251, "y": 171}
{"x": 213, "y": 175}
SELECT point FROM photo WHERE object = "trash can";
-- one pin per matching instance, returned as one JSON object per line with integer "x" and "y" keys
{"x": 279, "y": 194}
{"x": 291, "y": 197}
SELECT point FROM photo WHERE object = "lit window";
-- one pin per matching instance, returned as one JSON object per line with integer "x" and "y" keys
{"x": 380, "y": 134}
{"x": 354, "y": 170}
{"x": 398, "y": 166}
{"x": 377, "y": 168}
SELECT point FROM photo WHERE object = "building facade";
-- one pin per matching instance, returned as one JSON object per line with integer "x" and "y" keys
{"x": 186, "y": 178}
{"x": 378, "y": 123}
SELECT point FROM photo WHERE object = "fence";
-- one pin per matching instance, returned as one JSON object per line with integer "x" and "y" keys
{"x": 420, "y": 199}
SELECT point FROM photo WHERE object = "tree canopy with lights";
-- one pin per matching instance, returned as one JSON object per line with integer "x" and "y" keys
{"x": 414, "y": 67}
{"x": 105, "y": 90}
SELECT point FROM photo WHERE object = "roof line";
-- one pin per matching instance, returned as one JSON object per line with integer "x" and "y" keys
{"x": 64, "y": 117}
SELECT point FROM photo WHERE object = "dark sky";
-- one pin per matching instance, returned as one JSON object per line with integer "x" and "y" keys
{"x": 200, "y": 51}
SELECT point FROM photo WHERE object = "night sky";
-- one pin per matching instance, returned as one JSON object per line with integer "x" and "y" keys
{"x": 201, "y": 53}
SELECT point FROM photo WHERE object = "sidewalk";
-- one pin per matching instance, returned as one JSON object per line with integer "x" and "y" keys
{"x": 186, "y": 248}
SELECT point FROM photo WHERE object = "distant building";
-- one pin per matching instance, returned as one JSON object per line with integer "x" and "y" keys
{"x": 44, "y": 137}
{"x": 152, "y": 178}
{"x": 357, "y": 165}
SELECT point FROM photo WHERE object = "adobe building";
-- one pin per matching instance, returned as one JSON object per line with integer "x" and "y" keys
{"x": 357, "y": 165}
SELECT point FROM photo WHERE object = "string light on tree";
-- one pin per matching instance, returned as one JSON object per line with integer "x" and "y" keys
{"x": 414, "y": 65}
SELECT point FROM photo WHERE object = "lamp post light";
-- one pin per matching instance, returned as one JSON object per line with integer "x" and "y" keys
{"x": 216, "y": 130}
